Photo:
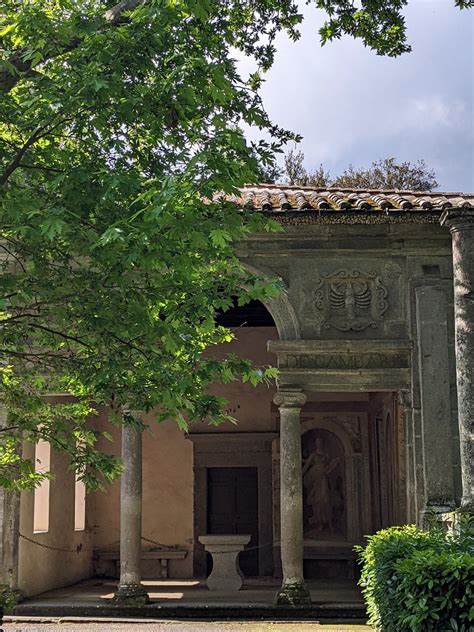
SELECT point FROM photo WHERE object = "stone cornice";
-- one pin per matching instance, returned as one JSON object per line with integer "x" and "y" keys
{"x": 309, "y": 347}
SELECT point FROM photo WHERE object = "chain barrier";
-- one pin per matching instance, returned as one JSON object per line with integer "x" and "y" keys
{"x": 163, "y": 547}
{"x": 77, "y": 550}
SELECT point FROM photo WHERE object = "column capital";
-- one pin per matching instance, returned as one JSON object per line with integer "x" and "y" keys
{"x": 457, "y": 219}
{"x": 405, "y": 398}
{"x": 290, "y": 398}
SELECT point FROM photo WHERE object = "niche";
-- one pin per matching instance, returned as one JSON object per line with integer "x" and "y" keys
{"x": 324, "y": 498}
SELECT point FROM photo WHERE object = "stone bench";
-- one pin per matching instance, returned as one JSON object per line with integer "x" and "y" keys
{"x": 332, "y": 551}
{"x": 163, "y": 556}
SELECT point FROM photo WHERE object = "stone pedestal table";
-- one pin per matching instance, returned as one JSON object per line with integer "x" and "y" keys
{"x": 226, "y": 574}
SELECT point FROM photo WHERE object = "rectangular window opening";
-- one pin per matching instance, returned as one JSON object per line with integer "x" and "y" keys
{"x": 79, "y": 505}
{"x": 41, "y": 494}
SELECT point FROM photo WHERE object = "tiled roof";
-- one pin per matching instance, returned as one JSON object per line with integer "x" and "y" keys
{"x": 279, "y": 198}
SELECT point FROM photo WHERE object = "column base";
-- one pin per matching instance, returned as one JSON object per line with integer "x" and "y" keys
{"x": 131, "y": 595}
{"x": 435, "y": 514}
{"x": 293, "y": 594}
{"x": 467, "y": 507}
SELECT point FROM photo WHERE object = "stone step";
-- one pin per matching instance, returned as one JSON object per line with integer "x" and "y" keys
{"x": 324, "y": 613}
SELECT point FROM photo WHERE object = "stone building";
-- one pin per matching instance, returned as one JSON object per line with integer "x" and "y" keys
{"x": 370, "y": 425}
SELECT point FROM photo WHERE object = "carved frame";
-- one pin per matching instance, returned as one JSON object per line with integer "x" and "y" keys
{"x": 237, "y": 449}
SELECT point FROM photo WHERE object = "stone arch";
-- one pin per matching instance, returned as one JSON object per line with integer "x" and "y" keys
{"x": 280, "y": 308}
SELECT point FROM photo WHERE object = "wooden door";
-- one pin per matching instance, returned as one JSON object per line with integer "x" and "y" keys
{"x": 232, "y": 508}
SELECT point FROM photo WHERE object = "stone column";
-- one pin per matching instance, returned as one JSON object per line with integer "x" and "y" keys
{"x": 9, "y": 529}
{"x": 293, "y": 590}
{"x": 461, "y": 225}
{"x": 130, "y": 590}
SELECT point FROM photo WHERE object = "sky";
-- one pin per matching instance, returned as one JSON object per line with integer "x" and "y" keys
{"x": 352, "y": 106}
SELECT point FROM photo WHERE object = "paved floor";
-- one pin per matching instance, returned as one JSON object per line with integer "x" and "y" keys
{"x": 69, "y": 626}
{"x": 189, "y": 592}
{"x": 59, "y": 610}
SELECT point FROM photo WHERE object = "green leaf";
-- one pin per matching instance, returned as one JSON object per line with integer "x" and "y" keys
{"x": 52, "y": 227}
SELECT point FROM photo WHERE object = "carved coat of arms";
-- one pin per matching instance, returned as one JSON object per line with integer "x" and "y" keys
{"x": 352, "y": 299}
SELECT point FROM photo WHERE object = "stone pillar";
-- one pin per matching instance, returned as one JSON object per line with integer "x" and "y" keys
{"x": 293, "y": 590}
{"x": 130, "y": 590}
{"x": 406, "y": 405}
{"x": 9, "y": 529}
{"x": 461, "y": 225}
{"x": 418, "y": 470}
{"x": 433, "y": 366}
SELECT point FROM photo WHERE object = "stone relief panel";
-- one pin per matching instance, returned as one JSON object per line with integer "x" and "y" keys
{"x": 324, "y": 509}
{"x": 350, "y": 300}
{"x": 350, "y": 297}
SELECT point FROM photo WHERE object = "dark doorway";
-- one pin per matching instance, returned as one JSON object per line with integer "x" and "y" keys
{"x": 252, "y": 314}
{"x": 232, "y": 508}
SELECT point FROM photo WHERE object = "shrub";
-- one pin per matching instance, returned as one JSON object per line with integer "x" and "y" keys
{"x": 8, "y": 598}
{"x": 419, "y": 581}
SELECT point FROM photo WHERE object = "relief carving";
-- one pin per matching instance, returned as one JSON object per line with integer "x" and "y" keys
{"x": 324, "y": 514}
{"x": 350, "y": 300}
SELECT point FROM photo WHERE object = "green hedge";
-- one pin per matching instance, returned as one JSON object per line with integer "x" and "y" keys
{"x": 419, "y": 581}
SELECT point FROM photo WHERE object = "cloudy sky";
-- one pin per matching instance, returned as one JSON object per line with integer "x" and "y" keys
{"x": 352, "y": 106}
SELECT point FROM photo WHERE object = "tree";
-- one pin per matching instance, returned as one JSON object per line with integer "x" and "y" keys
{"x": 118, "y": 125}
{"x": 387, "y": 173}
{"x": 296, "y": 172}
{"x": 384, "y": 173}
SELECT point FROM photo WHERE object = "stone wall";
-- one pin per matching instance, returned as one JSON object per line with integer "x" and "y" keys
{"x": 41, "y": 567}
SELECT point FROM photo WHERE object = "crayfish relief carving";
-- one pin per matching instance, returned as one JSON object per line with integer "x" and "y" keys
{"x": 350, "y": 300}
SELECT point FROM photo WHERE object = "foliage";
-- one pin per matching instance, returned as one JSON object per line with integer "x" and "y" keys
{"x": 296, "y": 172}
{"x": 387, "y": 173}
{"x": 384, "y": 173}
{"x": 419, "y": 581}
{"x": 8, "y": 598}
{"x": 119, "y": 123}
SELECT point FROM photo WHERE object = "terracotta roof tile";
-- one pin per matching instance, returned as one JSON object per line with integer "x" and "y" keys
{"x": 285, "y": 198}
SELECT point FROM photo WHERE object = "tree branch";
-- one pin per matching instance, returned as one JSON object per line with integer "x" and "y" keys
{"x": 15, "y": 163}
{"x": 61, "y": 334}
{"x": 41, "y": 132}
{"x": 23, "y": 67}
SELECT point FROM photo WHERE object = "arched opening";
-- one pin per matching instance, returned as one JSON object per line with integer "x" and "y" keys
{"x": 233, "y": 462}
{"x": 252, "y": 314}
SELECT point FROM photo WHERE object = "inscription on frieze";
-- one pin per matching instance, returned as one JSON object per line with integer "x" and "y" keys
{"x": 350, "y": 300}
{"x": 346, "y": 361}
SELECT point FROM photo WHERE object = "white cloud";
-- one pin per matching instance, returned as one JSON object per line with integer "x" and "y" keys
{"x": 353, "y": 106}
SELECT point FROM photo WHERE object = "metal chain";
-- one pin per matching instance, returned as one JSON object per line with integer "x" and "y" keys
{"x": 77, "y": 550}
{"x": 163, "y": 547}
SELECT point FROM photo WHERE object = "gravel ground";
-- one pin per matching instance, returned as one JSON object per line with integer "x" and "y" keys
{"x": 181, "y": 627}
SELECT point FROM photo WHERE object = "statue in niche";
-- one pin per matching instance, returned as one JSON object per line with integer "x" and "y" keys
{"x": 323, "y": 485}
